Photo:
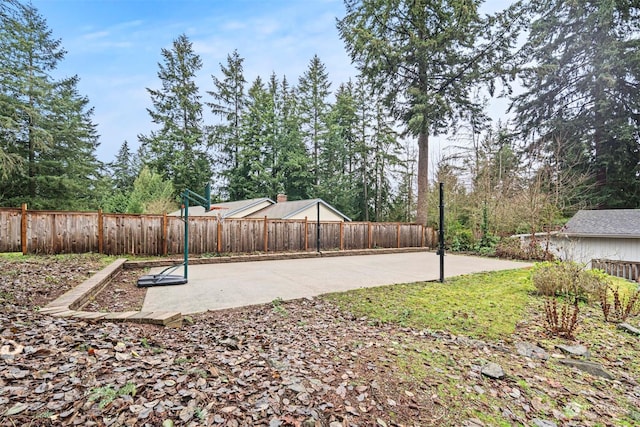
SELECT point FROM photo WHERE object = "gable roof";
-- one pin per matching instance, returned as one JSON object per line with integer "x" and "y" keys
{"x": 228, "y": 208}
{"x": 621, "y": 223}
{"x": 231, "y": 208}
{"x": 286, "y": 210}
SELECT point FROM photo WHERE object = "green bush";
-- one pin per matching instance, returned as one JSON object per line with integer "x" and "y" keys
{"x": 459, "y": 237}
{"x": 569, "y": 279}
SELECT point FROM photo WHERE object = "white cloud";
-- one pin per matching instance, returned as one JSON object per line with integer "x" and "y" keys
{"x": 96, "y": 35}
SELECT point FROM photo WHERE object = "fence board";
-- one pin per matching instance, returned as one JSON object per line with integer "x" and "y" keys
{"x": 10, "y": 221}
{"x": 129, "y": 234}
{"x": 629, "y": 270}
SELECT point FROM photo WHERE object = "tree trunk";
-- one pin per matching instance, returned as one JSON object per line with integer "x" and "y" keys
{"x": 423, "y": 178}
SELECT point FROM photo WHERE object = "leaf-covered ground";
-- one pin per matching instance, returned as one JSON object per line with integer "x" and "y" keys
{"x": 300, "y": 363}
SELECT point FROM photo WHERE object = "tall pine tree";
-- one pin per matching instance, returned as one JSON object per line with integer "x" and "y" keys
{"x": 229, "y": 105}
{"x": 581, "y": 101}
{"x": 313, "y": 90}
{"x": 294, "y": 162}
{"x": 177, "y": 150}
{"x": 424, "y": 57}
{"x": 47, "y": 136}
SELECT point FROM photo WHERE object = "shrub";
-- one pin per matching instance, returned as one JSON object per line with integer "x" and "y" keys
{"x": 569, "y": 279}
{"x": 563, "y": 321}
{"x": 461, "y": 240}
{"x": 617, "y": 306}
{"x": 510, "y": 247}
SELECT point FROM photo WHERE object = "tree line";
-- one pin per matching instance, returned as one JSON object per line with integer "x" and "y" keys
{"x": 426, "y": 68}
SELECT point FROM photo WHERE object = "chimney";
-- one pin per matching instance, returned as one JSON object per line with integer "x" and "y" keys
{"x": 281, "y": 198}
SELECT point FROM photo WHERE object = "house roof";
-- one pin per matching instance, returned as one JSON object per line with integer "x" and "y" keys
{"x": 226, "y": 209}
{"x": 621, "y": 223}
{"x": 286, "y": 210}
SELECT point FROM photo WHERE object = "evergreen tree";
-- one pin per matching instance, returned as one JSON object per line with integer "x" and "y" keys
{"x": 581, "y": 101}
{"x": 47, "y": 136}
{"x": 68, "y": 170}
{"x": 151, "y": 194}
{"x": 364, "y": 112}
{"x": 123, "y": 172}
{"x": 177, "y": 150}
{"x": 124, "y": 168}
{"x": 294, "y": 162}
{"x": 385, "y": 153}
{"x": 339, "y": 183}
{"x": 403, "y": 206}
{"x": 254, "y": 175}
{"x": 424, "y": 57}
{"x": 313, "y": 90}
{"x": 229, "y": 104}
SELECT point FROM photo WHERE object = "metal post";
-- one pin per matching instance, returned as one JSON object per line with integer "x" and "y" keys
{"x": 318, "y": 228}
{"x": 185, "y": 201}
{"x": 441, "y": 233}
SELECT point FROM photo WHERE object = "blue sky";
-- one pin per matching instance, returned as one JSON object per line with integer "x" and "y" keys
{"x": 114, "y": 47}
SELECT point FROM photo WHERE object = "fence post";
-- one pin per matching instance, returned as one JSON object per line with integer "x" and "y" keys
{"x": 219, "y": 242}
{"x": 266, "y": 235}
{"x": 23, "y": 229}
{"x": 369, "y": 235}
{"x": 306, "y": 234}
{"x": 422, "y": 236}
{"x": 398, "y": 235}
{"x": 165, "y": 234}
{"x": 100, "y": 232}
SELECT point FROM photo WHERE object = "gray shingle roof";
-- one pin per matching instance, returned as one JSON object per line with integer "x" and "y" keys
{"x": 285, "y": 210}
{"x": 612, "y": 222}
{"x": 228, "y": 208}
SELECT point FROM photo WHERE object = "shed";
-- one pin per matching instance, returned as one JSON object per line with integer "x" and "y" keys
{"x": 612, "y": 234}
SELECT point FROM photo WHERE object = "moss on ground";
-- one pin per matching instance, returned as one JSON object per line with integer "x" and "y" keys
{"x": 485, "y": 306}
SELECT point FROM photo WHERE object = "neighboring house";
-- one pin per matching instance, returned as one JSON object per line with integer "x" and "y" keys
{"x": 597, "y": 234}
{"x": 238, "y": 209}
{"x": 261, "y": 207}
{"x": 301, "y": 209}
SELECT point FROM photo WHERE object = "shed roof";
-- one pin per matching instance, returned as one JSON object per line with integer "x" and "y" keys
{"x": 286, "y": 210}
{"x": 621, "y": 223}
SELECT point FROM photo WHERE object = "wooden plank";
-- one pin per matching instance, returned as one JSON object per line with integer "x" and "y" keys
{"x": 266, "y": 235}
{"x": 23, "y": 229}
{"x": 100, "y": 232}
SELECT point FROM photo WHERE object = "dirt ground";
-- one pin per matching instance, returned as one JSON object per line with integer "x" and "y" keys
{"x": 121, "y": 294}
{"x": 300, "y": 363}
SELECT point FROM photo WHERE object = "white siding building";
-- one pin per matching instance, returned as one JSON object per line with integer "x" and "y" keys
{"x": 596, "y": 234}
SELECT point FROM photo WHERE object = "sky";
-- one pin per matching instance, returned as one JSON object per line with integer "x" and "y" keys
{"x": 114, "y": 46}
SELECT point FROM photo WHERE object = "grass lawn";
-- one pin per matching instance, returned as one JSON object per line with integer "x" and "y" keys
{"x": 484, "y": 306}
{"x": 501, "y": 306}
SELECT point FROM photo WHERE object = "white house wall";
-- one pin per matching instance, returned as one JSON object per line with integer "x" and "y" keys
{"x": 584, "y": 249}
{"x": 311, "y": 214}
{"x": 250, "y": 210}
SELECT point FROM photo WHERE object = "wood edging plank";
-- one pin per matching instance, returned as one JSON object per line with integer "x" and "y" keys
{"x": 78, "y": 296}
{"x": 270, "y": 257}
{"x": 68, "y": 303}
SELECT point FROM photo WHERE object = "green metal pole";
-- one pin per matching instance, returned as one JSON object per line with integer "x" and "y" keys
{"x": 185, "y": 200}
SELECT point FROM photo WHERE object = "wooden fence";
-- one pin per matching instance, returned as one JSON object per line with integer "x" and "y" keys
{"x": 629, "y": 270}
{"x": 55, "y": 232}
